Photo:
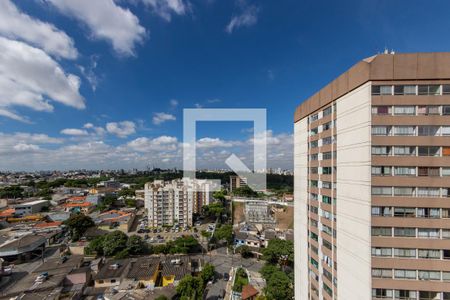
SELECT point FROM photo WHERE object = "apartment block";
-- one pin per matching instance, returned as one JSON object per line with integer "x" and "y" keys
{"x": 174, "y": 202}
{"x": 372, "y": 185}
{"x": 237, "y": 182}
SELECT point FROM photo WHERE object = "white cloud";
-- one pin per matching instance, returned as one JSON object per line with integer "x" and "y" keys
{"x": 15, "y": 24}
{"x": 173, "y": 103}
{"x": 208, "y": 142}
{"x": 26, "y": 147}
{"x": 161, "y": 117}
{"x": 74, "y": 132}
{"x": 31, "y": 78}
{"x": 88, "y": 125}
{"x": 107, "y": 21}
{"x": 162, "y": 143}
{"x": 247, "y": 17}
{"x": 165, "y": 8}
{"x": 121, "y": 129}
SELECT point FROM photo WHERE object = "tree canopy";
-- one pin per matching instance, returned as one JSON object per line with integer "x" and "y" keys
{"x": 279, "y": 252}
{"x": 78, "y": 224}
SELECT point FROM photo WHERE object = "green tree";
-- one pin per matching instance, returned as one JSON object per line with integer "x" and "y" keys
{"x": 78, "y": 224}
{"x": 95, "y": 246}
{"x": 136, "y": 245}
{"x": 162, "y": 297}
{"x": 207, "y": 273}
{"x": 12, "y": 192}
{"x": 114, "y": 242}
{"x": 279, "y": 252}
{"x": 245, "y": 191}
{"x": 190, "y": 288}
{"x": 279, "y": 286}
{"x": 224, "y": 232}
{"x": 214, "y": 210}
{"x": 267, "y": 270}
{"x": 126, "y": 192}
{"x": 244, "y": 250}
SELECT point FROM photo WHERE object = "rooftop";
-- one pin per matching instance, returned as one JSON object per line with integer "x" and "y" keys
{"x": 113, "y": 268}
{"x": 143, "y": 267}
{"x": 176, "y": 265}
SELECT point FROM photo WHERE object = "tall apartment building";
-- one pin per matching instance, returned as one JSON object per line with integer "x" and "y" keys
{"x": 372, "y": 185}
{"x": 237, "y": 182}
{"x": 174, "y": 202}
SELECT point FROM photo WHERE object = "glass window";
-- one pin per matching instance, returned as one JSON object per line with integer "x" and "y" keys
{"x": 381, "y": 170}
{"x": 428, "y": 110}
{"x": 404, "y": 130}
{"x": 314, "y": 144}
{"x": 446, "y": 277}
{"x": 428, "y": 192}
{"x": 429, "y": 89}
{"x": 381, "y": 293}
{"x": 380, "y": 130}
{"x": 428, "y": 130}
{"x": 382, "y": 110}
{"x": 428, "y": 233}
{"x": 375, "y": 89}
{"x": 428, "y": 171}
{"x": 405, "y": 150}
{"x": 426, "y": 212}
{"x": 381, "y": 251}
{"x": 445, "y": 130}
{"x": 446, "y": 89}
{"x": 327, "y": 126}
{"x": 327, "y": 111}
{"x": 405, "y": 295}
{"x": 380, "y": 150}
{"x": 405, "y": 171}
{"x": 313, "y": 170}
{"x": 381, "y": 231}
{"x": 404, "y": 110}
{"x": 446, "y": 110}
{"x": 428, "y": 151}
{"x": 446, "y": 233}
{"x": 405, "y": 212}
{"x": 405, "y": 274}
{"x": 403, "y": 191}
{"x": 386, "y": 90}
{"x": 384, "y": 211}
{"x": 429, "y": 275}
{"x": 430, "y": 253}
{"x": 382, "y": 273}
{"x": 382, "y": 191}
{"x": 326, "y": 155}
{"x": 404, "y": 232}
{"x": 404, "y": 252}
{"x": 405, "y": 90}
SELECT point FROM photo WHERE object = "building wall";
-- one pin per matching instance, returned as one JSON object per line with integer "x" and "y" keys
{"x": 353, "y": 191}
{"x": 300, "y": 209}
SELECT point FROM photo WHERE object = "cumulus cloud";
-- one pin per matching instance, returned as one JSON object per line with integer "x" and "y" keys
{"x": 165, "y": 8}
{"x": 15, "y": 24}
{"x": 121, "y": 129}
{"x": 106, "y": 21}
{"x": 31, "y": 78}
{"x": 247, "y": 17}
{"x": 26, "y": 147}
{"x": 162, "y": 143}
{"x": 161, "y": 117}
{"x": 208, "y": 142}
{"x": 74, "y": 132}
{"x": 173, "y": 103}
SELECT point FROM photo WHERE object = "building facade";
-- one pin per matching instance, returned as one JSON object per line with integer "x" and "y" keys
{"x": 372, "y": 192}
{"x": 237, "y": 182}
{"x": 174, "y": 202}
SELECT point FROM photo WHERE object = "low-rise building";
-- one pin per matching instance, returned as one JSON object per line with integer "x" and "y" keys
{"x": 145, "y": 270}
{"x": 112, "y": 273}
{"x": 174, "y": 268}
{"x": 32, "y": 207}
{"x": 115, "y": 220}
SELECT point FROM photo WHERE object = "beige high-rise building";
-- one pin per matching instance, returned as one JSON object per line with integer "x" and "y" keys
{"x": 372, "y": 182}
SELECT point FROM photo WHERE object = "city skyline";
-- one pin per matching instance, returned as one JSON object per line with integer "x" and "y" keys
{"x": 113, "y": 101}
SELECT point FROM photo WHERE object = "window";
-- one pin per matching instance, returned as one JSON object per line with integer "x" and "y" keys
{"x": 313, "y": 196}
{"x": 405, "y": 150}
{"x": 404, "y": 252}
{"x": 314, "y": 131}
{"x": 314, "y": 118}
{"x": 380, "y": 150}
{"x": 446, "y": 254}
{"x": 314, "y": 144}
{"x": 381, "y": 293}
{"x": 445, "y": 130}
{"x": 381, "y": 231}
{"x": 381, "y": 90}
{"x": 404, "y": 232}
{"x": 445, "y": 171}
{"x": 381, "y": 171}
{"x": 446, "y": 234}
{"x": 445, "y": 151}
{"x": 432, "y": 233}
{"x": 313, "y": 170}
{"x": 405, "y": 295}
{"x": 380, "y": 130}
{"x": 429, "y": 89}
{"x": 428, "y": 192}
{"x": 404, "y": 130}
{"x": 446, "y": 277}
{"x": 314, "y": 263}
{"x": 429, "y": 275}
{"x": 382, "y": 273}
{"x": 428, "y": 130}
{"x": 384, "y": 211}
{"x": 313, "y": 183}
{"x": 328, "y": 290}
{"x": 425, "y": 212}
{"x": 403, "y": 191}
{"x": 446, "y": 110}
{"x": 326, "y": 185}
{"x": 314, "y": 236}
{"x": 446, "y": 89}
{"x": 405, "y": 171}
{"x": 327, "y": 170}
{"x": 425, "y": 295}
{"x": 445, "y": 213}
{"x": 327, "y": 244}
{"x": 327, "y": 126}
{"x": 313, "y": 156}
{"x": 326, "y": 155}
{"x": 404, "y": 90}
{"x": 427, "y": 171}
{"x": 429, "y": 253}
{"x": 327, "y": 141}
{"x": 428, "y": 151}
{"x": 327, "y": 111}
{"x": 382, "y": 191}
{"x": 382, "y": 252}
{"x": 382, "y": 110}
{"x": 326, "y": 199}
{"x": 404, "y": 110}
{"x": 404, "y": 212}
{"x": 405, "y": 274}
{"x": 425, "y": 110}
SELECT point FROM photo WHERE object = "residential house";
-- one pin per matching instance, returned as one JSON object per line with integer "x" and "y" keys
{"x": 174, "y": 268}
{"x": 115, "y": 220}
{"x": 112, "y": 273}
{"x": 145, "y": 270}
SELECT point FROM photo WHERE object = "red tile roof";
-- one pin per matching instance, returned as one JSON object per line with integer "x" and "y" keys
{"x": 248, "y": 291}
{"x": 7, "y": 212}
{"x": 81, "y": 204}
{"x": 47, "y": 224}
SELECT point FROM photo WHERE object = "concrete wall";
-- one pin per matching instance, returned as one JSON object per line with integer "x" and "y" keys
{"x": 300, "y": 209}
{"x": 354, "y": 194}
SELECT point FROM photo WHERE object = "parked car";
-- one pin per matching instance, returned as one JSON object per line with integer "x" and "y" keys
{"x": 226, "y": 276}
{"x": 42, "y": 277}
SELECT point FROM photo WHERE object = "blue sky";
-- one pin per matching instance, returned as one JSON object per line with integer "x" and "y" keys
{"x": 102, "y": 84}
